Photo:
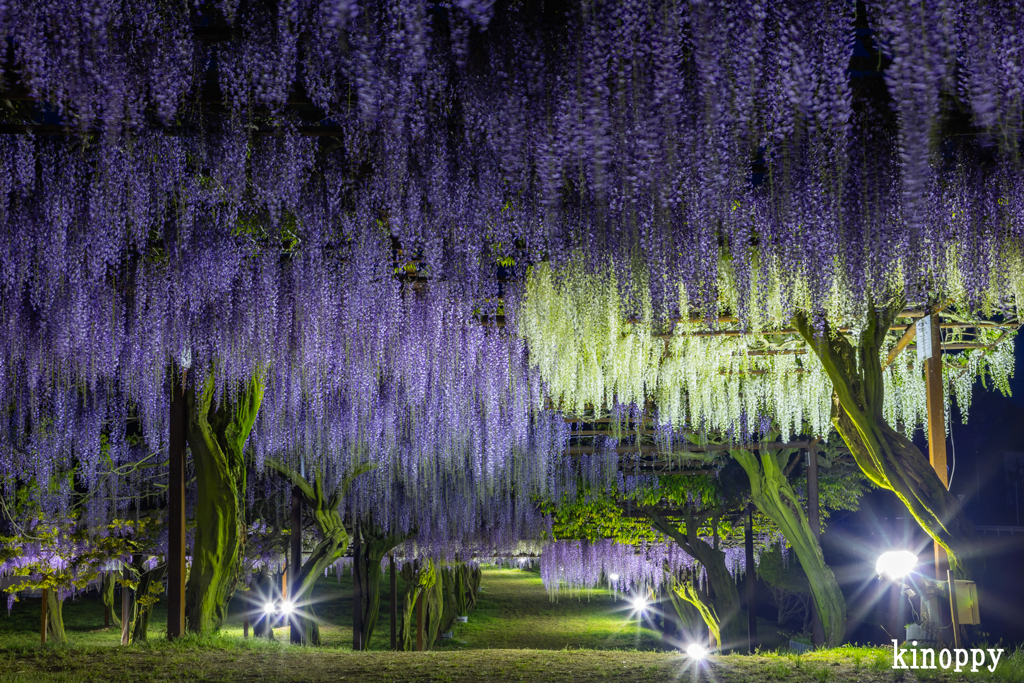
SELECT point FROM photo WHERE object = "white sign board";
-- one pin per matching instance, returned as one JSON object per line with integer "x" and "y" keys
{"x": 924, "y": 338}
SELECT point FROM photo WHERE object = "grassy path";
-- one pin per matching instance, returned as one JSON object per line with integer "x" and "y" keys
{"x": 515, "y": 634}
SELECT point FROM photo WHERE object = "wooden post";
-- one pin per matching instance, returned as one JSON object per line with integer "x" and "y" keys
{"x": 751, "y": 582}
{"x": 245, "y": 626}
{"x": 295, "y": 562}
{"x": 284, "y": 587}
{"x": 176, "y": 509}
{"x": 419, "y": 621}
{"x": 125, "y": 606}
{"x": 936, "y": 425}
{"x": 953, "y": 610}
{"x": 46, "y": 597}
{"x": 394, "y": 600}
{"x": 357, "y": 592}
{"x": 817, "y": 632}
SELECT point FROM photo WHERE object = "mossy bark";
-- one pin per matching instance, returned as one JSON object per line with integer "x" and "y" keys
{"x": 721, "y": 613}
{"x": 150, "y": 587}
{"x": 775, "y": 498}
{"x": 374, "y": 545}
{"x": 450, "y": 598}
{"x": 435, "y": 611}
{"x": 334, "y": 540}
{"x": 217, "y": 432}
{"x": 889, "y": 459}
{"x": 418, "y": 580}
{"x": 55, "y": 633}
{"x": 110, "y": 609}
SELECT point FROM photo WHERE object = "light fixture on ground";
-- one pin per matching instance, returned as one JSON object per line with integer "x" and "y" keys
{"x": 696, "y": 651}
{"x": 639, "y": 603}
{"x": 896, "y": 564}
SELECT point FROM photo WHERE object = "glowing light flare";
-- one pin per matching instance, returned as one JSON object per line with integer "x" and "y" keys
{"x": 268, "y": 608}
{"x": 639, "y": 603}
{"x": 696, "y": 651}
{"x": 287, "y": 607}
{"x": 613, "y": 577}
{"x": 896, "y": 564}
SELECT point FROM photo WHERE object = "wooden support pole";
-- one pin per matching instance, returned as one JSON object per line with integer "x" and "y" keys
{"x": 176, "y": 509}
{"x": 245, "y": 626}
{"x": 295, "y": 561}
{"x": 936, "y": 428}
{"x": 394, "y": 600}
{"x": 751, "y": 582}
{"x": 46, "y": 597}
{"x": 357, "y": 592}
{"x": 419, "y": 621}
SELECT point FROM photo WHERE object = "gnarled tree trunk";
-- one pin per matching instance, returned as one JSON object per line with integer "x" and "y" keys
{"x": 334, "y": 540}
{"x": 111, "y": 614}
{"x": 55, "y": 617}
{"x": 216, "y": 436}
{"x": 888, "y": 458}
{"x": 721, "y": 613}
{"x": 150, "y": 587}
{"x": 775, "y": 498}
{"x": 418, "y": 581}
{"x": 374, "y": 545}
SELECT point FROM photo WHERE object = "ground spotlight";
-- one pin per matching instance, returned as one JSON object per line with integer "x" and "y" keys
{"x": 695, "y": 651}
{"x": 639, "y": 603}
{"x": 896, "y": 564}
{"x": 613, "y": 577}
{"x": 268, "y": 608}
{"x": 287, "y": 607}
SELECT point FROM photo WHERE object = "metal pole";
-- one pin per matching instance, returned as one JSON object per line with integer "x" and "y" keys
{"x": 751, "y": 581}
{"x": 936, "y": 425}
{"x": 394, "y": 600}
{"x": 45, "y": 605}
{"x": 176, "y": 509}
{"x": 295, "y": 561}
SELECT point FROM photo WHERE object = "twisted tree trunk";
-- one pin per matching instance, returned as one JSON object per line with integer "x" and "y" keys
{"x": 56, "y": 634}
{"x": 374, "y": 545}
{"x": 217, "y": 436}
{"x": 110, "y": 612}
{"x": 419, "y": 581}
{"x": 721, "y": 613}
{"x": 888, "y": 458}
{"x": 775, "y": 498}
{"x": 334, "y": 540}
{"x": 146, "y": 596}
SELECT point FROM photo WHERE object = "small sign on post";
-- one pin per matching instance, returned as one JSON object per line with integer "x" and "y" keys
{"x": 924, "y": 338}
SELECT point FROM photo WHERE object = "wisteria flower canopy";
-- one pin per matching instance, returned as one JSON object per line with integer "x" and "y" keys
{"x": 425, "y": 227}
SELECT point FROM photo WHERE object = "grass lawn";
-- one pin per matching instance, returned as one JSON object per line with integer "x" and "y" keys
{"x": 515, "y": 634}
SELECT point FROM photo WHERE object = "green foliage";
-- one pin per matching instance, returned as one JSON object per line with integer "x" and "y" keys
{"x": 64, "y": 555}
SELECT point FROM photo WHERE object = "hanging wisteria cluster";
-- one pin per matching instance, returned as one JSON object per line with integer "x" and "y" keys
{"x": 582, "y": 565}
{"x": 592, "y": 354}
{"x": 317, "y": 195}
